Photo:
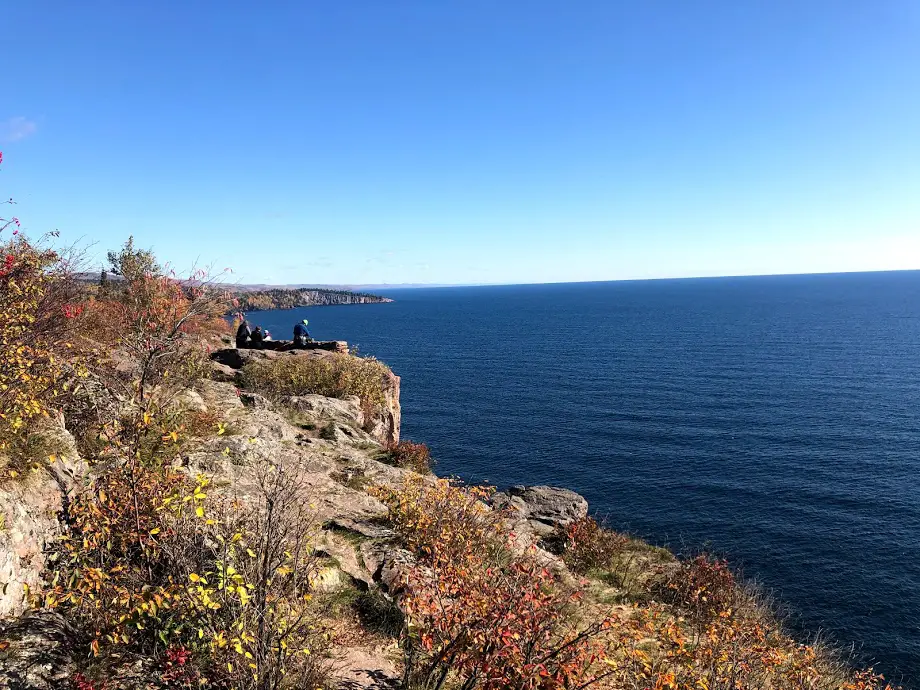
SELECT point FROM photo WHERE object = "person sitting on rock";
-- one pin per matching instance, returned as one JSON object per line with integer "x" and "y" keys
{"x": 301, "y": 335}
{"x": 257, "y": 338}
{"x": 242, "y": 334}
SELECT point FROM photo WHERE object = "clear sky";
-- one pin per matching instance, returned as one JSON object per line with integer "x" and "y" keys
{"x": 470, "y": 141}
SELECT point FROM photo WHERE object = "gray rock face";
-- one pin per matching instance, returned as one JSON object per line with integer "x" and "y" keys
{"x": 335, "y": 409}
{"x": 221, "y": 372}
{"x": 39, "y": 653}
{"x": 273, "y": 349}
{"x": 29, "y": 507}
{"x": 254, "y": 400}
{"x": 545, "y": 508}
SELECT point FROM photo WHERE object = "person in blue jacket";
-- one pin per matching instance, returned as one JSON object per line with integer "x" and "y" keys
{"x": 301, "y": 335}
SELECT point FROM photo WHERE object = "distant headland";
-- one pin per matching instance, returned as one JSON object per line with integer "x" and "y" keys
{"x": 261, "y": 299}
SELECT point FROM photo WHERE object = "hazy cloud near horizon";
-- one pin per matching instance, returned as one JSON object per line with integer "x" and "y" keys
{"x": 16, "y": 129}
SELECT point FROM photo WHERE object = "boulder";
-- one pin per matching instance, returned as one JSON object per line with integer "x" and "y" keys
{"x": 254, "y": 400}
{"x": 387, "y": 562}
{"x": 384, "y": 422}
{"x": 237, "y": 358}
{"x": 221, "y": 372}
{"x": 545, "y": 508}
{"x": 220, "y": 397}
{"x": 38, "y": 652}
{"x": 190, "y": 400}
{"x": 327, "y": 408}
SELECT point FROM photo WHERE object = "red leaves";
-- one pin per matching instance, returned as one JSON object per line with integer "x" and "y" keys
{"x": 73, "y": 311}
{"x": 177, "y": 655}
{"x": 485, "y": 612}
{"x": 83, "y": 683}
{"x": 8, "y": 263}
{"x": 704, "y": 587}
{"x": 409, "y": 455}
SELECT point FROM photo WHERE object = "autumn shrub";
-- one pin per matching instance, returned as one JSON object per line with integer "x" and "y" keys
{"x": 439, "y": 520}
{"x": 334, "y": 375}
{"x": 38, "y": 308}
{"x": 479, "y": 612}
{"x": 38, "y": 363}
{"x": 152, "y": 564}
{"x": 704, "y": 587}
{"x": 153, "y": 319}
{"x": 409, "y": 455}
{"x": 588, "y": 546}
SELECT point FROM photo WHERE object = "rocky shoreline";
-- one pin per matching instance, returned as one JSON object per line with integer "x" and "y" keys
{"x": 353, "y": 537}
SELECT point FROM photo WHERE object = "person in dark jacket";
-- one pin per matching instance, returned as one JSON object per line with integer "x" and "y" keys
{"x": 301, "y": 335}
{"x": 257, "y": 338}
{"x": 242, "y": 334}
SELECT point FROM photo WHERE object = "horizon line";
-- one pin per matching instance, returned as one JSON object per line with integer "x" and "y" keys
{"x": 576, "y": 282}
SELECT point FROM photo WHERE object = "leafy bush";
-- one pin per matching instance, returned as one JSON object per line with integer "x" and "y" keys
{"x": 154, "y": 567}
{"x": 704, "y": 587}
{"x": 409, "y": 455}
{"x": 476, "y": 611}
{"x": 158, "y": 316}
{"x": 334, "y": 375}
{"x": 588, "y": 546}
{"x": 37, "y": 319}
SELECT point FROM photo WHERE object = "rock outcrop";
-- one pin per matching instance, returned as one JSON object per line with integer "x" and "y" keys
{"x": 29, "y": 509}
{"x": 544, "y": 508}
{"x": 382, "y": 423}
{"x": 325, "y": 445}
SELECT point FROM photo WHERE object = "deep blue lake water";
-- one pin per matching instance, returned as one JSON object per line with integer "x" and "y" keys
{"x": 775, "y": 420}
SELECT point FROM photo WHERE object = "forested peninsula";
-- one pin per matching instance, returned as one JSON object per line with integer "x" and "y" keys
{"x": 286, "y": 298}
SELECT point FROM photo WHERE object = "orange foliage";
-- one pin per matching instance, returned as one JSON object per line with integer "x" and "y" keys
{"x": 492, "y": 618}
{"x": 589, "y": 546}
{"x": 36, "y": 322}
{"x": 409, "y": 455}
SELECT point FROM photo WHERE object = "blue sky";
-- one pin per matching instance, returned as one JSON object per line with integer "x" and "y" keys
{"x": 470, "y": 142}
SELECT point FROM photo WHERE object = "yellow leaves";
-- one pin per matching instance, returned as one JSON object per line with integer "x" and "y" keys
{"x": 155, "y": 531}
{"x": 221, "y": 429}
{"x": 195, "y": 577}
{"x": 199, "y": 511}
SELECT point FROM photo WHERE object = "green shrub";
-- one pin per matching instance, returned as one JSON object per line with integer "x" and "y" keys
{"x": 379, "y": 613}
{"x": 334, "y": 375}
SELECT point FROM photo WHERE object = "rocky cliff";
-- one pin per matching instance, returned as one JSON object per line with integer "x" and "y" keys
{"x": 333, "y": 467}
{"x": 339, "y": 456}
{"x": 382, "y": 421}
